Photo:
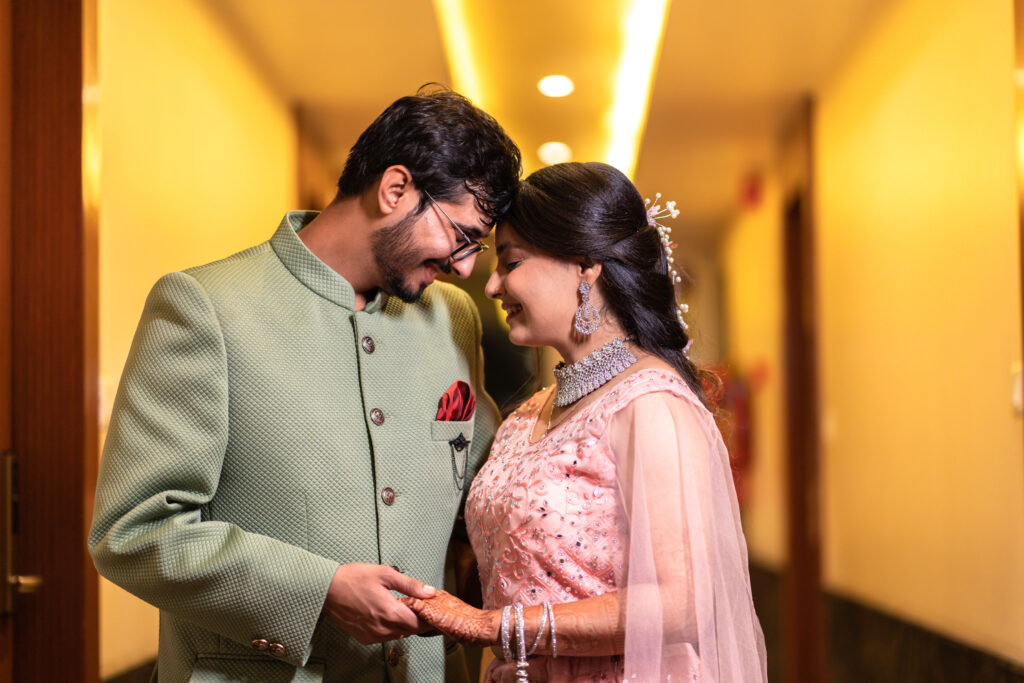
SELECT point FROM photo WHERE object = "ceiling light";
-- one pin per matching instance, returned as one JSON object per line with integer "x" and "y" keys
{"x": 555, "y": 86}
{"x": 554, "y": 153}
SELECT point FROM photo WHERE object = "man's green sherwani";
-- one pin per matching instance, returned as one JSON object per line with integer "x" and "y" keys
{"x": 243, "y": 463}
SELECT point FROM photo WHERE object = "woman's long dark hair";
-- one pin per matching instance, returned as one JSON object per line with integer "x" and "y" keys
{"x": 593, "y": 212}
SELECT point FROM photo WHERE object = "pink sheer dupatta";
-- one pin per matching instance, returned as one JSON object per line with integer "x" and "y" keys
{"x": 689, "y": 612}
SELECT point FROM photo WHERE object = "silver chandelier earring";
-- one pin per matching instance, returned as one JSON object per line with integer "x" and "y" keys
{"x": 587, "y": 317}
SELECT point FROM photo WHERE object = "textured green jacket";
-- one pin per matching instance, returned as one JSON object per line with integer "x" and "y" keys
{"x": 243, "y": 463}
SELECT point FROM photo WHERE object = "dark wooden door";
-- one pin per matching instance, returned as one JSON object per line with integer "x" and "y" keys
{"x": 804, "y": 622}
{"x": 6, "y": 620}
{"x": 48, "y": 343}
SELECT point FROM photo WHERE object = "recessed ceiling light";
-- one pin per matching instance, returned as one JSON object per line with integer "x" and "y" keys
{"x": 555, "y": 86}
{"x": 554, "y": 153}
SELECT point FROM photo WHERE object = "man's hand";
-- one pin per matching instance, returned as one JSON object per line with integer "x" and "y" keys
{"x": 360, "y": 602}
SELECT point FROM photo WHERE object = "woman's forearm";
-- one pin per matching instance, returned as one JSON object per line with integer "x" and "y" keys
{"x": 597, "y": 626}
{"x": 585, "y": 628}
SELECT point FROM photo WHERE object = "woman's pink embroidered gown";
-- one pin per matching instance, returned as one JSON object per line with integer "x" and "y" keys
{"x": 548, "y": 523}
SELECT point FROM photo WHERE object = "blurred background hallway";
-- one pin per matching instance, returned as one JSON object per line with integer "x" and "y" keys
{"x": 847, "y": 175}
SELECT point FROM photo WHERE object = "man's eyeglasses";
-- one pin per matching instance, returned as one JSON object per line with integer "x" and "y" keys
{"x": 468, "y": 247}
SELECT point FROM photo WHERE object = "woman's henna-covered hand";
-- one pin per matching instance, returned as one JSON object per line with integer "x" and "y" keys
{"x": 452, "y": 616}
{"x": 593, "y": 627}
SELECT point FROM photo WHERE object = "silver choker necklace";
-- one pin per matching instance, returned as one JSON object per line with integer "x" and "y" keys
{"x": 591, "y": 372}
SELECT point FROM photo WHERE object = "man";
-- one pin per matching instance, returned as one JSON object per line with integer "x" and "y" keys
{"x": 273, "y": 468}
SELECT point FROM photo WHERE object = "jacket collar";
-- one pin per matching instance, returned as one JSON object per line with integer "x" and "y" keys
{"x": 311, "y": 271}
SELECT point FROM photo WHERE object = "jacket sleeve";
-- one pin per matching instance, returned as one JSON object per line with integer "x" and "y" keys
{"x": 161, "y": 464}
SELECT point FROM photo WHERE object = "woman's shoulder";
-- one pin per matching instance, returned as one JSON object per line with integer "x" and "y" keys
{"x": 649, "y": 374}
{"x": 652, "y": 378}
{"x": 652, "y": 400}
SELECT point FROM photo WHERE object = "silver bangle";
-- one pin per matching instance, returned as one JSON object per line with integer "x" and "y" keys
{"x": 554, "y": 638}
{"x": 540, "y": 631}
{"x": 522, "y": 666}
{"x": 506, "y": 639}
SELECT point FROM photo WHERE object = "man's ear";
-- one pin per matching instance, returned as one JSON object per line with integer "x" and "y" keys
{"x": 395, "y": 183}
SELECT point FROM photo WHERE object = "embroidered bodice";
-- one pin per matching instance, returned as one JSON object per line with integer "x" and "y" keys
{"x": 545, "y": 518}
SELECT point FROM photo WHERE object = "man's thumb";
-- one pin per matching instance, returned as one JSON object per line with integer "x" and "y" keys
{"x": 410, "y": 586}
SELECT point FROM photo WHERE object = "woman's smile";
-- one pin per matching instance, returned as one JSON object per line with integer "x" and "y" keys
{"x": 511, "y": 310}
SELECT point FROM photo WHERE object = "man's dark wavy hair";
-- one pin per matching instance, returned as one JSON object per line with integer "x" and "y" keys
{"x": 449, "y": 145}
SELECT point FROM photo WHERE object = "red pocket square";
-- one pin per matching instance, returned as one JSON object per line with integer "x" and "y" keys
{"x": 457, "y": 404}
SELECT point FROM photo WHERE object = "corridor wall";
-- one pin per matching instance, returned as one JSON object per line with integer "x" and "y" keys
{"x": 198, "y": 162}
{"x": 919, "y": 286}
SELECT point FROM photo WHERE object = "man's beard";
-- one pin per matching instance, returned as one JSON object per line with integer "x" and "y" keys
{"x": 396, "y": 255}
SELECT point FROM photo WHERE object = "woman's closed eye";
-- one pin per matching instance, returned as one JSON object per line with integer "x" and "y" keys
{"x": 508, "y": 261}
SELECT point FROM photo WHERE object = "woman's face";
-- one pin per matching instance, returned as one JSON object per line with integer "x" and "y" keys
{"x": 538, "y": 292}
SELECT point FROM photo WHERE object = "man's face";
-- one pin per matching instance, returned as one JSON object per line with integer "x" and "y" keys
{"x": 411, "y": 252}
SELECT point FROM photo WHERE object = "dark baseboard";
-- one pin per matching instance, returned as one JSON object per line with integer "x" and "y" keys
{"x": 869, "y": 646}
{"x": 766, "y": 586}
{"x": 140, "y": 674}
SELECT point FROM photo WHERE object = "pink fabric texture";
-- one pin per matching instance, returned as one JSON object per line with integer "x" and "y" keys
{"x": 632, "y": 493}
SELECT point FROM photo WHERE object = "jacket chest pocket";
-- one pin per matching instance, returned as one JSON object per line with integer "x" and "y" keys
{"x": 452, "y": 441}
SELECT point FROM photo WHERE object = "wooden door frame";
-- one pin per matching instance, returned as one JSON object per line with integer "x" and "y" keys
{"x": 804, "y": 623}
{"x": 54, "y": 345}
{"x": 6, "y": 623}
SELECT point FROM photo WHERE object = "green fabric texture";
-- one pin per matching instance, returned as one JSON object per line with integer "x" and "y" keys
{"x": 241, "y": 466}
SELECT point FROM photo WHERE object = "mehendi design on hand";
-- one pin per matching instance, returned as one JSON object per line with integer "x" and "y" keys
{"x": 586, "y": 628}
{"x": 457, "y": 619}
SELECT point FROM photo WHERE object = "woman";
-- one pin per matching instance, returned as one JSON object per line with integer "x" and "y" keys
{"x": 606, "y": 509}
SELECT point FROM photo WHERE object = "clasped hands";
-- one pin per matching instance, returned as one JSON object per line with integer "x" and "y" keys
{"x": 359, "y": 600}
{"x": 457, "y": 619}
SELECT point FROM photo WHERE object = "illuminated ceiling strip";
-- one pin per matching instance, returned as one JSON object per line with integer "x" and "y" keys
{"x": 455, "y": 33}
{"x": 644, "y": 28}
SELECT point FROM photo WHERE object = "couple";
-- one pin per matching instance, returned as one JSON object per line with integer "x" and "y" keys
{"x": 277, "y": 467}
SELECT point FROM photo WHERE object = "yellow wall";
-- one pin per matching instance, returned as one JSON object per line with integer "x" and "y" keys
{"x": 198, "y": 161}
{"x": 751, "y": 262}
{"x": 920, "y": 322}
